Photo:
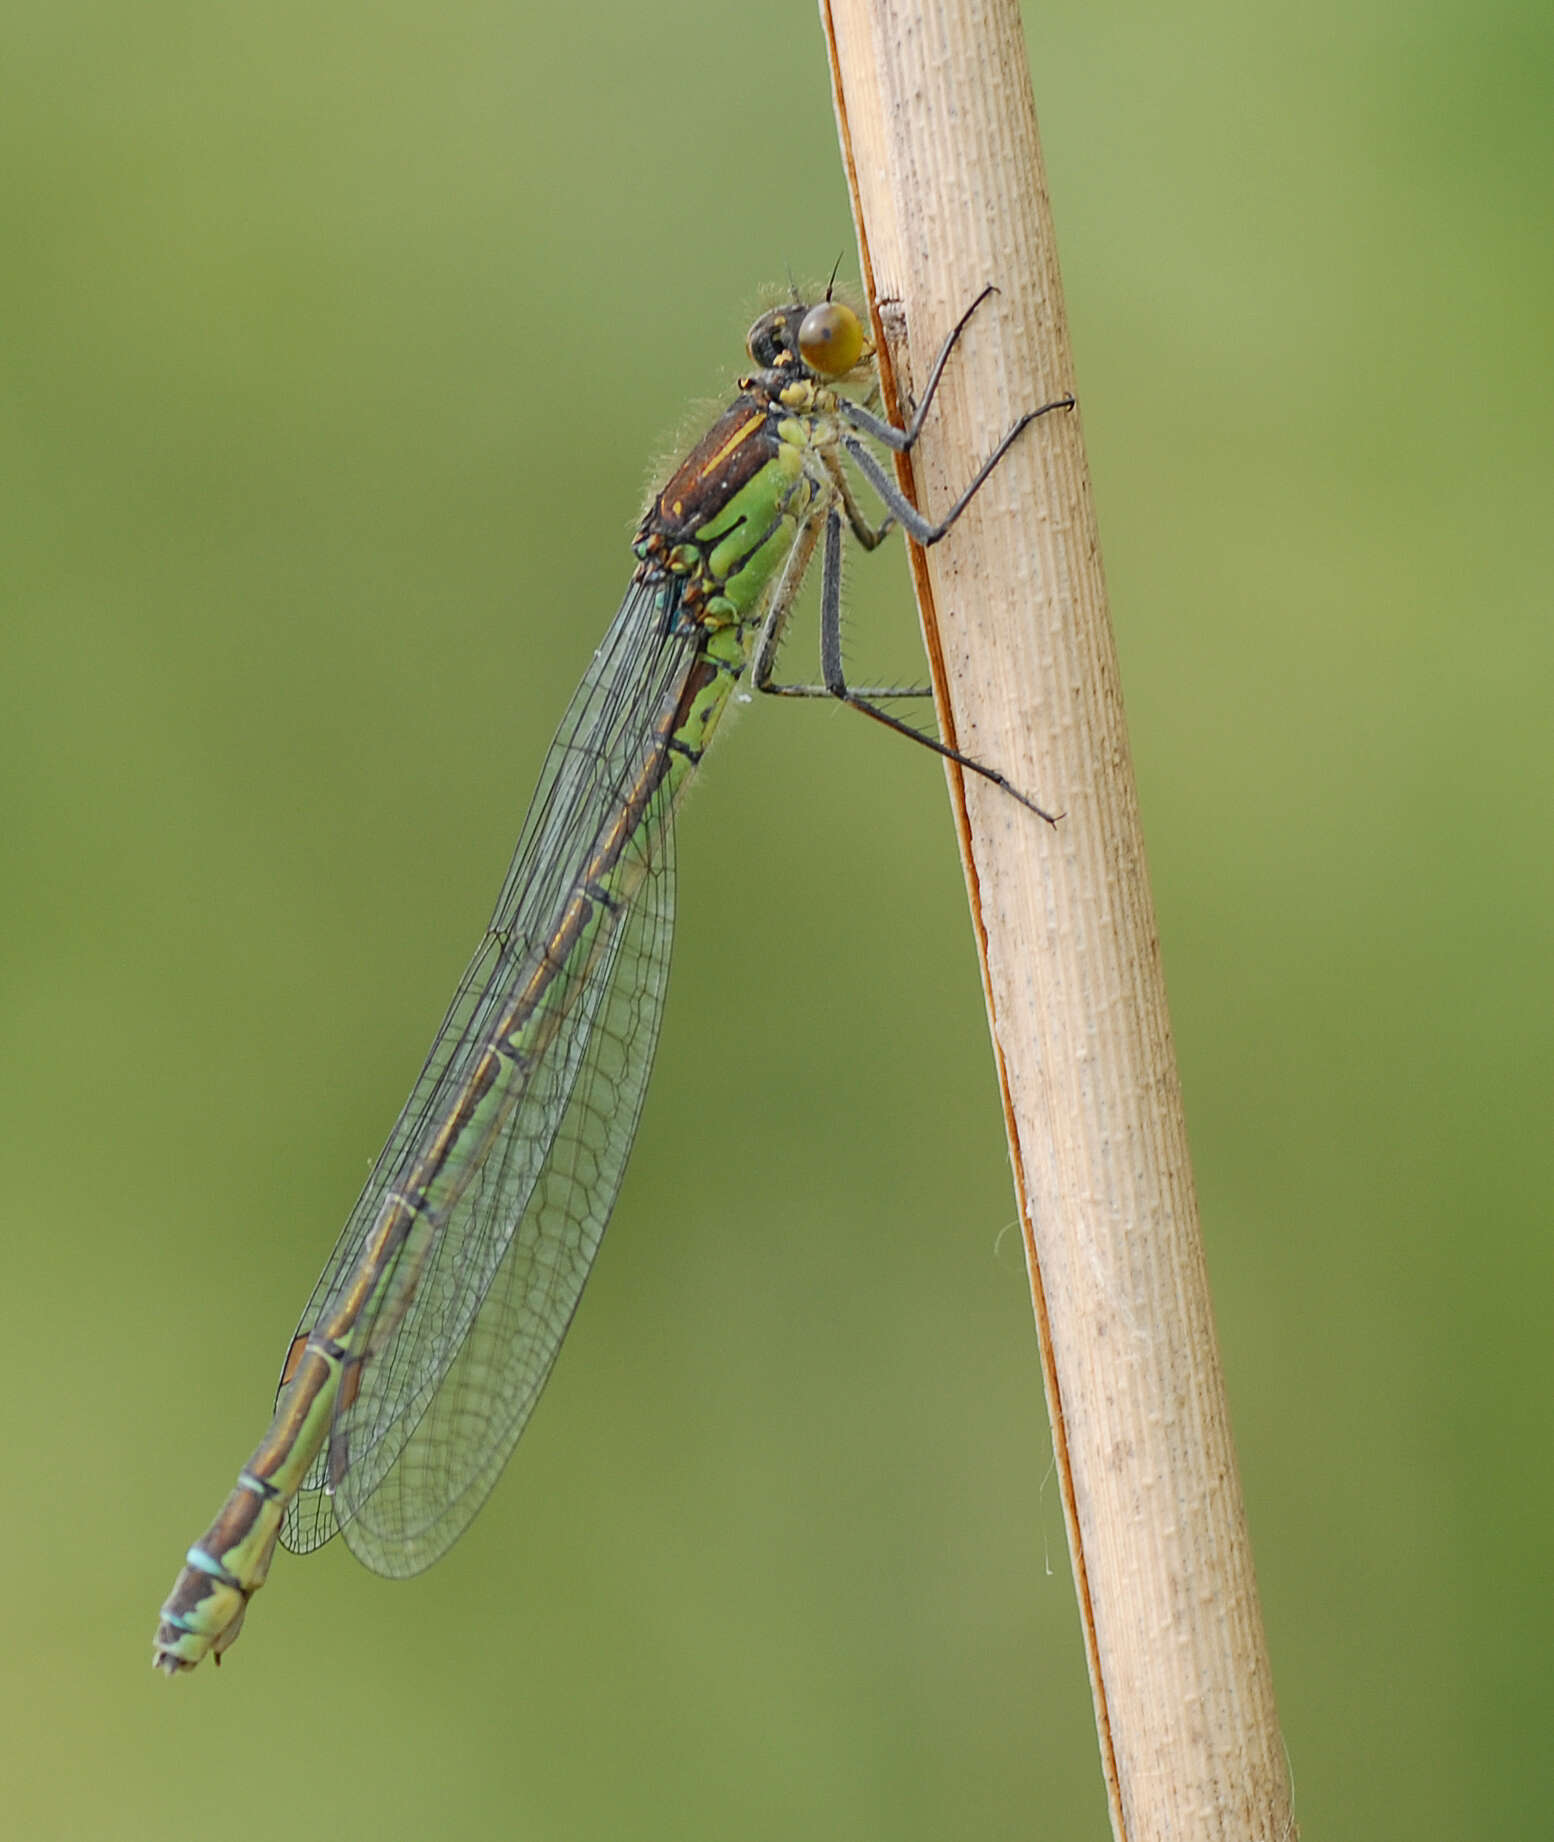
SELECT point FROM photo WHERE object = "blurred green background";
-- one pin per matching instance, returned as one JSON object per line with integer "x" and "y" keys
{"x": 338, "y": 345}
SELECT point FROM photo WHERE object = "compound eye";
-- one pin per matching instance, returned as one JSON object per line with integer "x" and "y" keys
{"x": 831, "y": 339}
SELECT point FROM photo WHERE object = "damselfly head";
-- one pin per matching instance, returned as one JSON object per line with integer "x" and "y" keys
{"x": 827, "y": 339}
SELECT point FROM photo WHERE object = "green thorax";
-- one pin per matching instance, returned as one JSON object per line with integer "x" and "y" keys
{"x": 727, "y": 519}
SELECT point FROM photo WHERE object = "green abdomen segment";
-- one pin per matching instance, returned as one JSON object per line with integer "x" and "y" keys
{"x": 432, "y": 1334}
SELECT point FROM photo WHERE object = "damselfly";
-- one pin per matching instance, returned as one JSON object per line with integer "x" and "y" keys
{"x": 428, "y": 1339}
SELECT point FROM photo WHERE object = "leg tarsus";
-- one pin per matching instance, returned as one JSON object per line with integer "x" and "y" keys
{"x": 901, "y": 440}
{"x": 835, "y": 678}
{"x": 926, "y": 531}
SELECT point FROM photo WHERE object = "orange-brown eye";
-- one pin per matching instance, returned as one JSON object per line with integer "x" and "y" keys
{"x": 831, "y": 339}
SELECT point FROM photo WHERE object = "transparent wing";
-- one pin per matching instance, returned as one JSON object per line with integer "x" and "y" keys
{"x": 422, "y": 1479}
{"x": 455, "y": 1358}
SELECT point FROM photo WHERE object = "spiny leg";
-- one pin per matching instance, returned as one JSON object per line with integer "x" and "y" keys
{"x": 923, "y": 530}
{"x": 901, "y": 441}
{"x": 773, "y": 628}
{"x": 926, "y": 531}
{"x": 868, "y": 535}
{"x": 836, "y": 685}
{"x": 769, "y": 641}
